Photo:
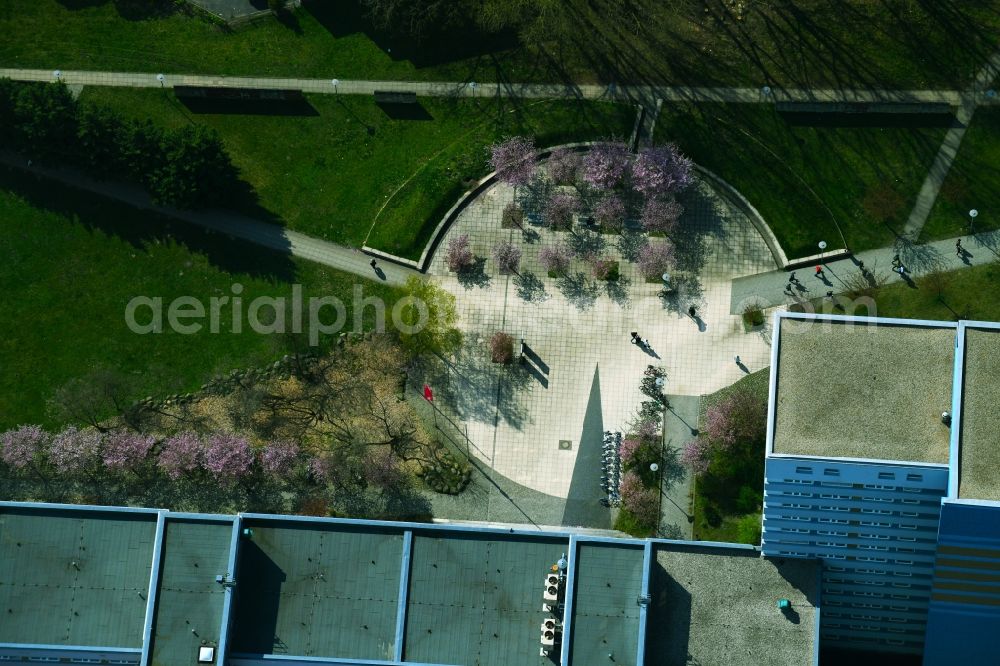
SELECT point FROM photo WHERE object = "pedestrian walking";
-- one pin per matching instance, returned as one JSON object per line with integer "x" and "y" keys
{"x": 819, "y": 272}
{"x": 900, "y": 269}
{"x": 738, "y": 360}
{"x": 895, "y": 262}
{"x": 645, "y": 343}
{"x": 792, "y": 279}
{"x": 372, "y": 263}
{"x": 958, "y": 248}
{"x": 829, "y": 294}
{"x": 635, "y": 338}
{"x": 692, "y": 312}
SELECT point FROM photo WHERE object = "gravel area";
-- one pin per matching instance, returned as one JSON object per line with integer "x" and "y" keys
{"x": 714, "y": 606}
{"x": 980, "y": 455}
{"x": 864, "y": 391}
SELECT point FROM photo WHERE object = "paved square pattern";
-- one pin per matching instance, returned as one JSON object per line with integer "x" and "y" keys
{"x": 581, "y": 373}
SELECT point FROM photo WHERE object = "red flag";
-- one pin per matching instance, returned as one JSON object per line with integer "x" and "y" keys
{"x": 428, "y": 393}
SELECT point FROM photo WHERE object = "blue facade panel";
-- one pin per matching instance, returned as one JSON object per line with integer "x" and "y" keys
{"x": 963, "y": 623}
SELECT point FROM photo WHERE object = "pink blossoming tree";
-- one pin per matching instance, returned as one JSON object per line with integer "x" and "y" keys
{"x": 656, "y": 258}
{"x": 228, "y": 456}
{"x": 610, "y": 212}
{"x": 126, "y": 451}
{"x": 606, "y": 165}
{"x": 23, "y": 446}
{"x": 555, "y": 258}
{"x": 559, "y": 209}
{"x": 278, "y": 457}
{"x": 459, "y": 255}
{"x": 73, "y": 451}
{"x": 181, "y": 454}
{"x": 564, "y": 164}
{"x": 697, "y": 454}
{"x": 514, "y": 160}
{"x": 507, "y": 255}
{"x": 661, "y": 170}
{"x": 661, "y": 215}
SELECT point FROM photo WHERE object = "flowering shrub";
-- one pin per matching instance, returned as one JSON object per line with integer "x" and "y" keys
{"x": 610, "y": 212}
{"x": 605, "y": 269}
{"x": 643, "y": 503}
{"x": 564, "y": 165}
{"x": 501, "y": 348}
{"x": 459, "y": 255}
{"x": 661, "y": 215}
{"x": 74, "y": 450}
{"x": 23, "y": 446}
{"x": 697, "y": 454}
{"x": 277, "y": 457}
{"x": 181, "y": 454}
{"x": 661, "y": 170}
{"x": 627, "y": 449}
{"x": 606, "y": 165}
{"x": 127, "y": 451}
{"x": 656, "y": 258}
{"x": 739, "y": 417}
{"x": 507, "y": 255}
{"x": 514, "y": 160}
{"x": 559, "y": 209}
{"x": 228, "y": 455}
{"x": 554, "y": 258}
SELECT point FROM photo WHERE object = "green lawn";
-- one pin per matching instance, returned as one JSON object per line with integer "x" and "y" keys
{"x": 973, "y": 182}
{"x": 807, "y": 182}
{"x": 715, "y": 499}
{"x": 968, "y": 293}
{"x": 71, "y": 264}
{"x": 330, "y": 174}
{"x": 894, "y": 43}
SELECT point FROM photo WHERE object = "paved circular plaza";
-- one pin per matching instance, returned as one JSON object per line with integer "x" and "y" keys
{"x": 582, "y": 373}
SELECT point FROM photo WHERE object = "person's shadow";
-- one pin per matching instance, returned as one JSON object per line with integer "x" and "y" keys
{"x": 380, "y": 273}
{"x": 965, "y": 256}
{"x": 742, "y": 367}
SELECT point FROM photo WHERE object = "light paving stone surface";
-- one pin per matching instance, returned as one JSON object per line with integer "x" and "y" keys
{"x": 581, "y": 335}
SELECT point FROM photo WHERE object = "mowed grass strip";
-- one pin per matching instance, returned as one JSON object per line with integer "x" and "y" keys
{"x": 808, "y": 43}
{"x": 330, "y": 174}
{"x": 71, "y": 264}
{"x": 972, "y": 183}
{"x": 809, "y": 183}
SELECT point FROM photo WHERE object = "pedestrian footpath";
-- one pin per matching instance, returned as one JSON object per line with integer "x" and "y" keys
{"x": 266, "y": 234}
{"x": 637, "y": 93}
{"x": 782, "y": 287}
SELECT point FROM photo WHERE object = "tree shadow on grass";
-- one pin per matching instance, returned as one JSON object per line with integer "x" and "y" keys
{"x": 530, "y": 288}
{"x": 475, "y": 275}
{"x": 586, "y": 243}
{"x": 578, "y": 290}
{"x": 142, "y": 228}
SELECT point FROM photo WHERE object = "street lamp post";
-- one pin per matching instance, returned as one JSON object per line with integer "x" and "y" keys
{"x": 822, "y": 249}
{"x": 161, "y": 78}
{"x": 57, "y": 75}
{"x": 973, "y": 214}
{"x": 472, "y": 86}
{"x": 335, "y": 83}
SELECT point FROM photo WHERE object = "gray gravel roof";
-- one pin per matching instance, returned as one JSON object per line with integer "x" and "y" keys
{"x": 719, "y": 606}
{"x": 863, "y": 391}
{"x": 980, "y": 455}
